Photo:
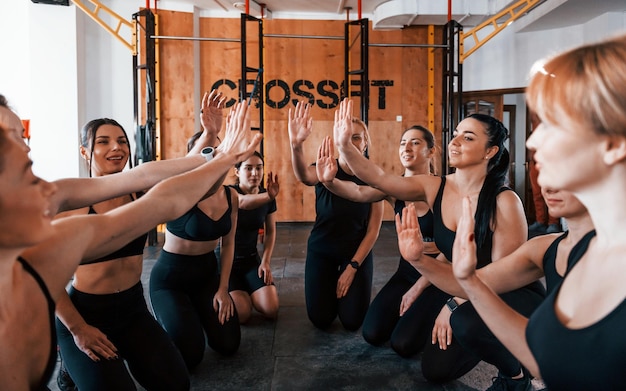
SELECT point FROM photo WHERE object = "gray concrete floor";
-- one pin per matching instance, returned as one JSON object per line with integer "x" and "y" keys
{"x": 290, "y": 354}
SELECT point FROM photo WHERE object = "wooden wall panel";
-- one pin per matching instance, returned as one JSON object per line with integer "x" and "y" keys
{"x": 176, "y": 80}
{"x": 298, "y": 69}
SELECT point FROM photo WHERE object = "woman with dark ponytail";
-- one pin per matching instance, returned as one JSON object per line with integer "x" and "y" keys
{"x": 459, "y": 337}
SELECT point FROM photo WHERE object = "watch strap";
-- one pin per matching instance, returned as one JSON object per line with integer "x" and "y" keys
{"x": 452, "y": 305}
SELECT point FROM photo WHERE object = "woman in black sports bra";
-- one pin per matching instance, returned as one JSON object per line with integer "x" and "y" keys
{"x": 103, "y": 324}
{"x": 574, "y": 340}
{"x": 188, "y": 287}
{"x": 404, "y": 310}
{"x": 477, "y": 152}
{"x": 49, "y": 252}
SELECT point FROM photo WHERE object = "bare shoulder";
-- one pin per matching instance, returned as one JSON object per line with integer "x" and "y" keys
{"x": 57, "y": 257}
{"x": 508, "y": 197}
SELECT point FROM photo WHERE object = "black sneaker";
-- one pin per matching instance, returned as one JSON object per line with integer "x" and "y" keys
{"x": 505, "y": 383}
{"x": 64, "y": 380}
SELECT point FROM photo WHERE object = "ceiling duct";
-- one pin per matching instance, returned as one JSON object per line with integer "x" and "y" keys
{"x": 397, "y": 14}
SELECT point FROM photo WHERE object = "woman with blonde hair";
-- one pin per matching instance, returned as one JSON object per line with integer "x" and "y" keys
{"x": 339, "y": 261}
{"x": 580, "y": 146}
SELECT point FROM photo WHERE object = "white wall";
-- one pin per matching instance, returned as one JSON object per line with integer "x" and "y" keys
{"x": 38, "y": 76}
{"x": 60, "y": 69}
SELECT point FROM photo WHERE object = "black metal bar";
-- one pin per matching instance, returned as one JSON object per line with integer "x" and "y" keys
{"x": 452, "y": 101}
{"x": 145, "y": 148}
{"x": 363, "y": 72}
{"x": 259, "y": 83}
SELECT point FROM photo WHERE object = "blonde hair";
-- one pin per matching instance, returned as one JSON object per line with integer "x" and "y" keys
{"x": 583, "y": 87}
{"x": 365, "y": 130}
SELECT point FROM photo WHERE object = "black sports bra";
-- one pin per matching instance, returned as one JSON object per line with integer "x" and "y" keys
{"x": 444, "y": 237}
{"x": 553, "y": 278}
{"x": 195, "y": 225}
{"x": 133, "y": 248}
{"x": 52, "y": 359}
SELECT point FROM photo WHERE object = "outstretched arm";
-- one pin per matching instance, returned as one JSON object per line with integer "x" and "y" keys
{"x": 91, "y": 236}
{"x": 326, "y": 169}
{"x": 300, "y": 126}
{"x": 402, "y": 188}
{"x": 516, "y": 270}
{"x": 506, "y": 324}
{"x": 253, "y": 201}
{"x": 73, "y": 193}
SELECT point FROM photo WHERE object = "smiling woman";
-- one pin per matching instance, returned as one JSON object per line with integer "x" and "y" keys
{"x": 460, "y": 339}
{"x": 37, "y": 257}
{"x": 104, "y": 138}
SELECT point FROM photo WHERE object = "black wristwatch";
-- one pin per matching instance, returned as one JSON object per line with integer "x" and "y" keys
{"x": 452, "y": 305}
{"x": 354, "y": 264}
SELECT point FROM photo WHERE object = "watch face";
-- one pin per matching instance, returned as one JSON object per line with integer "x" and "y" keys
{"x": 207, "y": 152}
{"x": 354, "y": 264}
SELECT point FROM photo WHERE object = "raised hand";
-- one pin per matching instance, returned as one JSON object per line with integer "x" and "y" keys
{"x": 410, "y": 241}
{"x": 464, "y": 249}
{"x": 211, "y": 112}
{"x": 273, "y": 187}
{"x": 300, "y": 123}
{"x": 342, "y": 127}
{"x": 236, "y": 139}
{"x": 326, "y": 166}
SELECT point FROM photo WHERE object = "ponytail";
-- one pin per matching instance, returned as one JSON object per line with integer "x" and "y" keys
{"x": 497, "y": 171}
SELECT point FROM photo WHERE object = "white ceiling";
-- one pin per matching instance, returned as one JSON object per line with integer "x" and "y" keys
{"x": 397, "y": 13}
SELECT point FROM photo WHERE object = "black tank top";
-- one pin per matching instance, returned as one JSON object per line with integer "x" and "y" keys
{"x": 553, "y": 278}
{"x": 248, "y": 224}
{"x": 444, "y": 237}
{"x": 426, "y": 221}
{"x": 590, "y": 358}
{"x": 47, "y": 374}
{"x": 340, "y": 224}
{"x": 133, "y": 248}
{"x": 196, "y": 226}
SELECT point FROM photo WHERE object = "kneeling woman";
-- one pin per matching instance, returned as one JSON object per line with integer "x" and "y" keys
{"x": 188, "y": 290}
{"x": 251, "y": 281}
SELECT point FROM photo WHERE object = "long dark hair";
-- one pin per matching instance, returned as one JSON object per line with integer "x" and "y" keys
{"x": 496, "y": 178}
{"x": 88, "y": 137}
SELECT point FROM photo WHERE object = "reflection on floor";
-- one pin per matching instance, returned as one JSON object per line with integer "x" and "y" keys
{"x": 291, "y": 354}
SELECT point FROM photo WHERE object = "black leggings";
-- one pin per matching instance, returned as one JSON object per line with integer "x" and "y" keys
{"x": 410, "y": 332}
{"x": 245, "y": 274}
{"x": 321, "y": 274}
{"x": 124, "y": 317}
{"x": 473, "y": 341}
{"x": 182, "y": 288}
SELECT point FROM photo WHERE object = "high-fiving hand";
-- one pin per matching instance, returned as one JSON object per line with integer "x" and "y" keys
{"x": 300, "y": 123}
